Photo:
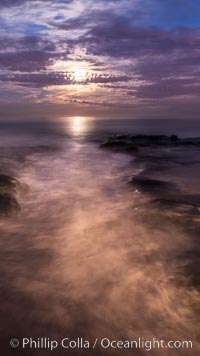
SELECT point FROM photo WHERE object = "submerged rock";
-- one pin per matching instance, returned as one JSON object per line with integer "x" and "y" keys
{"x": 149, "y": 137}
{"x": 8, "y": 204}
{"x": 120, "y": 142}
{"x": 167, "y": 200}
{"x": 8, "y": 201}
{"x": 113, "y": 144}
{"x": 7, "y": 182}
{"x": 174, "y": 138}
{"x": 149, "y": 185}
{"x": 119, "y": 145}
{"x": 132, "y": 148}
{"x": 176, "y": 206}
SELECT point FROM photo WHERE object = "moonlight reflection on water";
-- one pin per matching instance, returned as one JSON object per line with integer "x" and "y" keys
{"x": 77, "y": 126}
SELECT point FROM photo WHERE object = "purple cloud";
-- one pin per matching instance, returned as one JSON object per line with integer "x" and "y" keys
{"x": 120, "y": 39}
{"x": 26, "y": 43}
{"x": 13, "y": 3}
{"x": 26, "y": 61}
{"x": 28, "y": 54}
{"x": 129, "y": 56}
{"x": 166, "y": 89}
{"x": 49, "y": 79}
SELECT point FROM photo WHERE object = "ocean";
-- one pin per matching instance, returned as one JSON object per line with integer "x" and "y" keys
{"x": 89, "y": 255}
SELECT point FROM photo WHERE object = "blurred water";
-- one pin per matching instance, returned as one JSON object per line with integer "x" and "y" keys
{"x": 77, "y": 261}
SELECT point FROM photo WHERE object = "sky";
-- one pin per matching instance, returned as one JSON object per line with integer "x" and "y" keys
{"x": 105, "y": 58}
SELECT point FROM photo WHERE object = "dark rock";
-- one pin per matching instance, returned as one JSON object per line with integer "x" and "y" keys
{"x": 187, "y": 143}
{"x": 121, "y": 137}
{"x": 174, "y": 138}
{"x": 177, "y": 205}
{"x": 151, "y": 140}
{"x": 123, "y": 142}
{"x": 121, "y": 146}
{"x": 138, "y": 137}
{"x": 132, "y": 148}
{"x": 8, "y": 204}
{"x": 149, "y": 137}
{"x": 7, "y": 181}
{"x": 113, "y": 144}
{"x": 148, "y": 182}
{"x": 8, "y": 201}
{"x": 157, "y": 137}
{"x": 154, "y": 186}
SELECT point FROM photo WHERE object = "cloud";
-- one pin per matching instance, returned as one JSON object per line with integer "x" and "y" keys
{"x": 178, "y": 65}
{"x": 74, "y": 23}
{"x": 28, "y": 54}
{"x": 9, "y": 3}
{"x": 90, "y": 102}
{"x": 107, "y": 78}
{"x": 26, "y": 61}
{"x": 167, "y": 88}
{"x": 133, "y": 51}
{"x": 13, "y": 3}
{"x": 26, "y": 43}
{"x": 119, "y": 38}
{"x": 52, "y": 79}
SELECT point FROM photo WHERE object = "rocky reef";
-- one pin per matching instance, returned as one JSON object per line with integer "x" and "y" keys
{"x": 132, "y": 143}
{"x": 155, "y": 155}
{"x": 164, "y": 186}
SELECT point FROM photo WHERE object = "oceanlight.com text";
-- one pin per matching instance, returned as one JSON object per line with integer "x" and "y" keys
{"x": 101, "y": 343}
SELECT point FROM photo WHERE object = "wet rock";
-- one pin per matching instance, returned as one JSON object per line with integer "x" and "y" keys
{"x": 132, "y": 148}
{"x": 139, "y": 140}
{"x": 191, "y": 199}
{"x": 169, "y": 210}
{"x": 154, "y": 140}
{"x": 113, "y": 144}
{"x": 8, "y": 201}
{"x": 189, "y": 142}
{"x": 149, "y": 137}
{"x": 152, "y": 186}
{"x": 8, "y": 204}
{"x": 119, "y": 145}
{"x": 177, "y": 206}
{"x": 121, "y": 137}
{"x": 7, "y": 182}
{"x": 174, "y": 138}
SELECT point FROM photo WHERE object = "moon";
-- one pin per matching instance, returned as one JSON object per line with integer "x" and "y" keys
{"x": 80, "y": 75}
